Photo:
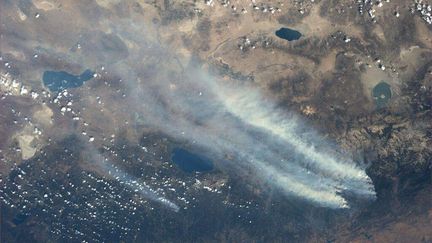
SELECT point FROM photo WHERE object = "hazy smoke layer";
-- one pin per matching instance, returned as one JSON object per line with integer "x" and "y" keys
{"x": 235, "y": 124}
{"x": 129, "y": 181}
{"x": 235, "y": 121}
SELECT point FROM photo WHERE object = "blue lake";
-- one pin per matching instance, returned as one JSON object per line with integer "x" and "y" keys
{"x": 57, "y": 81}
{"x": 190, "y": 162}
{"x": 288, "y": 34}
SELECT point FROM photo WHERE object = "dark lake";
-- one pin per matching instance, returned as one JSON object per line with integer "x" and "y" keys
{"x": 288, "y": 34}
{"x": 20, "y": 218}
{"x": 190, "y": 162}
{"x": 381, "y": 94}
{"x": 57, "y": 81}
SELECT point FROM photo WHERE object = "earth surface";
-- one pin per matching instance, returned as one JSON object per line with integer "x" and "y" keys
{"x": 79, "y": 81}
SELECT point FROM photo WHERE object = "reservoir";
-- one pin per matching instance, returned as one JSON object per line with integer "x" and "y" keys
{"x": 57, "y": 81}
{"x": 288, "y": 34}
{"x": 381, "y": 94}
{"x": 190, "y": 162}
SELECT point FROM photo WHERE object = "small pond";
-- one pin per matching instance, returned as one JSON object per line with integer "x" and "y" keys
{"x": 381, "y": 94}
{"x": 288, "y": 34}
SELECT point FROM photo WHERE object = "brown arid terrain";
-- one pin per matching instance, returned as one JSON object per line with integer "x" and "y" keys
{"x": 327, "y": 77}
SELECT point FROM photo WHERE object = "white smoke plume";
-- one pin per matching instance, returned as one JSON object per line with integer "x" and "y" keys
{"x": 227, "y": 119}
